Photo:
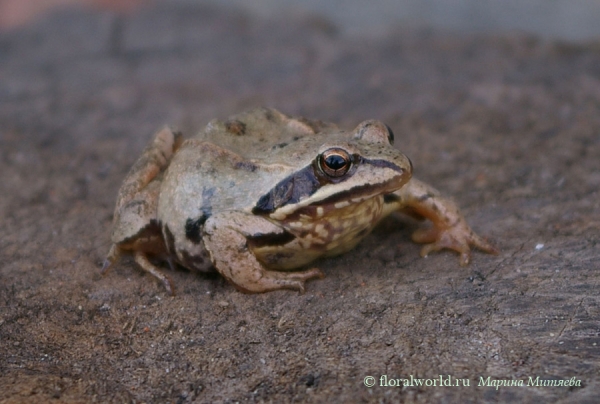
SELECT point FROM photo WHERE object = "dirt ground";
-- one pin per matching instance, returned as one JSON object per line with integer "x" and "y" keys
{"x": 507, "y": 126}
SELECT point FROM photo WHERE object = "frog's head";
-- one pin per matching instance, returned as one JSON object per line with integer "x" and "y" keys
{"x": 343, "y": 167}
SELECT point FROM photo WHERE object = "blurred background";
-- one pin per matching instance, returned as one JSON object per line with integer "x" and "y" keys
{"x": 568, "y": 20}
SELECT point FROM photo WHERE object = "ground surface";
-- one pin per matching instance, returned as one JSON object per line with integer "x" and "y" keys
{"x": 508, "y": 126}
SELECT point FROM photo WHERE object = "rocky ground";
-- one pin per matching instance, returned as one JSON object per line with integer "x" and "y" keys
{"x": 508, "y": 126}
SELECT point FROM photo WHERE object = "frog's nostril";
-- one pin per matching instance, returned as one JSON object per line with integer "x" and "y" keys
{"x": 390, "y": 134}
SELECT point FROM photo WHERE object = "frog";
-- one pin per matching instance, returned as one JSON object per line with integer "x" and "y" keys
{"x": 261, "y": 195}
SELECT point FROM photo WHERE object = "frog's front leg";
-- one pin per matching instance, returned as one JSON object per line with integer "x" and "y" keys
{"x": 225, "y": 238}
{"x": 450, "y": 229}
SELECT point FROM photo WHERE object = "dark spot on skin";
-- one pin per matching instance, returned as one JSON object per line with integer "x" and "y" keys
{"x": 269, "y": 115}
{"x": 271, "y": 239}
{"x": 207, "y": 194}
{"x": 279, "y": 146}
{"x": 246, "y": 166}
{"x": 195, "y": 262}
{"x": 296, "y": 138}
{"x": 391, "y": 198}
{"x": 193, "y": 228}
{"x": 276, "y": 258}
{"x": 235, "y": 127}
{"x": 169, "y": 240}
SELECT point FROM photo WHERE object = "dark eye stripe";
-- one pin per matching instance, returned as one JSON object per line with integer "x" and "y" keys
{"x": 289, "y": 190}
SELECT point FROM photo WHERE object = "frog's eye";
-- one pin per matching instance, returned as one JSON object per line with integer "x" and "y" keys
{"x": 335, "y": 162}
{"x": 390, "y": 134}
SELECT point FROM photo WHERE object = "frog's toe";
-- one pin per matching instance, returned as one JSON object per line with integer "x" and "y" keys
{"x": 113, "y": 256}
{"x": 306, "y": 275}
{"x": 451, "y": 244}
{"x": 437, "y": 239}
{"x": 105, "y": 266}
{"x": 483, "y": 245}
{"x": 296, "y": 280}
{"x": 459, "y": 238}
{"x": 465, "y": 258}
{"x": 293, "y": 284}
{"x": 265, "y": 281}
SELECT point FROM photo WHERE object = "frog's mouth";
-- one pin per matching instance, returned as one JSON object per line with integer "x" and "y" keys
{"x": 361, "y": 193}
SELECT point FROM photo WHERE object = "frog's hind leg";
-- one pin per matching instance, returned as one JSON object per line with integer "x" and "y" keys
{"x": 135, "y": 227}
{"x": 228, "y": 248}
{"x": 142, "y": 260}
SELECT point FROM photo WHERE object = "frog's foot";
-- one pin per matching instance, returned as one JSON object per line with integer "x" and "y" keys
{"x": 260, "y": 281}
{"x": 142, "y": 260}
{"x": 458, "y": 238}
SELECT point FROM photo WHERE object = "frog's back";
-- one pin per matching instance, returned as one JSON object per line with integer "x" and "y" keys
{"x": 261, "y": 132}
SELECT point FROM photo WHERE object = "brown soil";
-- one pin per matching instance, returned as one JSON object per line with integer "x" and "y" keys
{"x": 507, "y": 126}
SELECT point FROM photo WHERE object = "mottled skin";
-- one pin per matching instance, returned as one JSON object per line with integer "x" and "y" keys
{"x": 262, "y": 193}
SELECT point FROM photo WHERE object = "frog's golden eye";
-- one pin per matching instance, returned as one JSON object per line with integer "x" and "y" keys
{"x": 335, "y": 162}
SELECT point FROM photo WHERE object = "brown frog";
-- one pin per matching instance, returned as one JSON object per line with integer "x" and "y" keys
{"x": 263, "y": 193}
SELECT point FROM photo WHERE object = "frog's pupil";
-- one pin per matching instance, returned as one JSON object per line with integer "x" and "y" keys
{"x": 335, "y": 162}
